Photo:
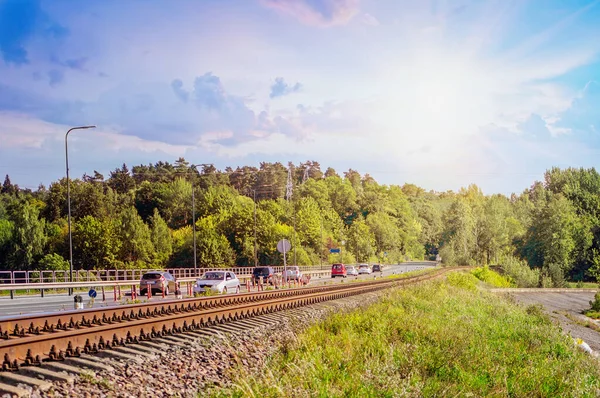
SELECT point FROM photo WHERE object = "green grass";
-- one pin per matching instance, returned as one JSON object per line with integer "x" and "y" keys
{"x": 582, "y": 285}
{"x": 438, "y": 339}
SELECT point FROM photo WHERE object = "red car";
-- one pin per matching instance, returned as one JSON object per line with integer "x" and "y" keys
{"x": 339, "y": 270}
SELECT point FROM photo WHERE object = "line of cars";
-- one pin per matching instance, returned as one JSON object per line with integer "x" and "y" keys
{"x": 228, "y": 282}
{"x": 343, "y": 270}
{"x": 216, "y": 281}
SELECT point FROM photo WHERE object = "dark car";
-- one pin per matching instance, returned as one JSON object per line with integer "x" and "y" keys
{"x": 377, "y": 268}
{"x": 264, "y": 273}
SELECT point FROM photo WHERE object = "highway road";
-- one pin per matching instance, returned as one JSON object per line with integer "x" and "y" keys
{"x": 22, "y": 305}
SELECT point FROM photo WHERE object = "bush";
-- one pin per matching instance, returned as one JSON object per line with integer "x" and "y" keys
{"x": 490, "y": 277}
{"x": 54, "y": 262}
{"x": 462, "y": 280}
{"x": 520, "y": 273}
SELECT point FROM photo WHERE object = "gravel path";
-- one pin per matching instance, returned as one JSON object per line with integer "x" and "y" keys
{"x": 182, "y": 371}
{"x": 566, "y": 309}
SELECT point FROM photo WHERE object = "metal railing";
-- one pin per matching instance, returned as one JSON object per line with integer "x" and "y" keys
{"x": 48, "y": 276}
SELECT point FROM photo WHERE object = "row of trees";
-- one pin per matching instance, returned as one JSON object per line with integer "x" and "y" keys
{"x": 144, "y": 218}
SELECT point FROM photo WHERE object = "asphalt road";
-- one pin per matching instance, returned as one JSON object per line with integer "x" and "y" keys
{"x": 22, "y": 305}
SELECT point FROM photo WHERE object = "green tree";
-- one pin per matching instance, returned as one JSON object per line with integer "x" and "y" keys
{"x": 161, "y": 238}
{"x": 137, "y": 247}
{"x": 54, "y": 261}
{"x": 95, "y": 244}
{"x": 29, "y": 238}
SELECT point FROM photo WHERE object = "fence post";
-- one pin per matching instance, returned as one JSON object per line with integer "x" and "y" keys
{"x": 119, "y": 287}
{"x": 148, "y": 291}
{"x": 103, "y": 295}
{"x": 115, "y": 292}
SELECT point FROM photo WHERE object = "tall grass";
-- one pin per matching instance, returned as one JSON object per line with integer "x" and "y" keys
{"x": 438, "y": 339}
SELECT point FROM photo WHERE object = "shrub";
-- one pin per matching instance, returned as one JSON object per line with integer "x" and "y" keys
{"x": 54, "y": 262}
{"x": 520, "y": 273}
{"x": 462, "y": 280}
{"x": 490, "y": 277}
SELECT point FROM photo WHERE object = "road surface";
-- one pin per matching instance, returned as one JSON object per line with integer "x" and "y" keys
{"x": 22, "y": 305}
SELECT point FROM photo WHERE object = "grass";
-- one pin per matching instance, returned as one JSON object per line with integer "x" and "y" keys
{"x": 582, "y": 285}
{"x": 441, "y": 338}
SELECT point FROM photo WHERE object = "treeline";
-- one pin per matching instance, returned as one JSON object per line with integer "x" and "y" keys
{"x": 143, "y": 217}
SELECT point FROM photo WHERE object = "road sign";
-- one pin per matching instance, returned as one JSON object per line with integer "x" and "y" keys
{"x": 284, "y": 246}
{"x": 92, "y": 293}
{"x": 334, "y": 250}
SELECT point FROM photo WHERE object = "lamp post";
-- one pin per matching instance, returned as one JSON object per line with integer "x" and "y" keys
{"x": 255, "y": 252}
{"x": 69, "y": 201}
{"x": 194, "y": 218}
{"x": 342, "y": 251}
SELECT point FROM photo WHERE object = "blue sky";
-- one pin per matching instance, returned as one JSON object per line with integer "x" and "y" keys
{"x": 439, "y": 93}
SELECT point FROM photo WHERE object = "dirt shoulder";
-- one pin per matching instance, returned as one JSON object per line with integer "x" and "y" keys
{"x": 565, "y": 308}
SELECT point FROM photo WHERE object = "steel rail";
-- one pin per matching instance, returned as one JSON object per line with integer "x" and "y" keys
{"x": 88, "y": 337}
{"x": 23, "y": 325}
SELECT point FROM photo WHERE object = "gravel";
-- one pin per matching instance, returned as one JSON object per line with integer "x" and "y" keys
{"x": 206, "y": 362}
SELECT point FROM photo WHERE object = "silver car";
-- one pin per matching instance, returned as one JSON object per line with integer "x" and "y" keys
{"x": 155, "y": 281}
{"x": 292, "y": 273}
{"x": 217, "y": 281}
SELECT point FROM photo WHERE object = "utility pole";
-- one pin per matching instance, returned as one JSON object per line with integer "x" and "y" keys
{"x": 194, "y": 217}
{"x": 69, "y": 201}
{"x": 321, "y": 254}
{"x": 288, "y": 194}
{"x": 255, "y": 251}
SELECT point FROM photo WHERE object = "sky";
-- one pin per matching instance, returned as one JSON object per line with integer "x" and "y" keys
{"x": 437, "y": 93}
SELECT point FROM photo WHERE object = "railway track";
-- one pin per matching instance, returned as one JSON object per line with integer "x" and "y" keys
{"x": 31, "y": 340}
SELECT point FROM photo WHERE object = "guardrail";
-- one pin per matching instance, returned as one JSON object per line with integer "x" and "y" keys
{"x": 42, "y": 287}
{"x": 49, "y": 276}
{"x": 183, "y": 277}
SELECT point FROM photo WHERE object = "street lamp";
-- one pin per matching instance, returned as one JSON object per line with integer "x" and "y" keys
{"x": 194, "y": 217}
{"x": 69, "y": 201}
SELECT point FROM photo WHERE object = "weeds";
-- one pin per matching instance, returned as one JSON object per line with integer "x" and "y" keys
{"x": 441, "y": 338}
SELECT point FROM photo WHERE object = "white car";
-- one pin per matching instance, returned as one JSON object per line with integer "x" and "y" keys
{"x": 364, "y": 269}
{"x": 292, "y": 272}
{"x": 217, "y": 281}
{"x": 352, "y": 271}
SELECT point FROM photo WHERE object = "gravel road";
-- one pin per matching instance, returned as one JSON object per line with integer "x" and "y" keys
{"x": 566, "y": 309}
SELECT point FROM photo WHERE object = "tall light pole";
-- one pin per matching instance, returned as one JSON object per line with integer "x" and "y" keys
{"x": 69, "y": 201}
{"x": 194, "y": 217}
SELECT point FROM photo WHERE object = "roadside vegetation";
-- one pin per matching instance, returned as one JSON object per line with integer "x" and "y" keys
{"x": 442, "y": 338}
{"x": 143, "y": 218}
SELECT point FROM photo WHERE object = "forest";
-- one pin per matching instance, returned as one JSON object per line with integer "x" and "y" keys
{"x": 145, "y": 218}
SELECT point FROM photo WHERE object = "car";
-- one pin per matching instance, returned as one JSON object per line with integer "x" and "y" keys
{"x": 292, "y": 272}
{"x": 364, "y": 269}
{"x": 377, "y": 268}
{"x": 155, "y": 281}
{"x": 352, "y": 270}
{"x": 264, "y": 273}
{"x": 339, "y": 270}
{"x": 217, "y": 281}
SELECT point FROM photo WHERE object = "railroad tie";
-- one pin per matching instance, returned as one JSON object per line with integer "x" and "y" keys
{"x": 63, "y": 367}
{"x": 37, "y": 371}
{"x": 17, "y": 378}
{"x": 13, "y": 391}
{"x": 121, "y": 355}
{"x": 89, "y": 362}
{"x": 134, "y": 350}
